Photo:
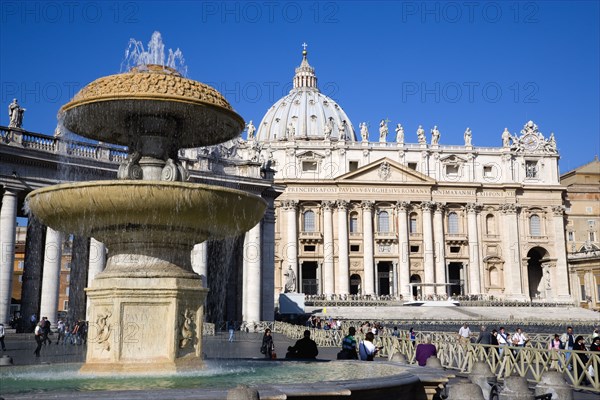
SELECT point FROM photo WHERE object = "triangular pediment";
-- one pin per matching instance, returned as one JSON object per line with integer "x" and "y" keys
{"x": 452, "y": 159}
{"x": 310, "y": 155}
{"x": 385, "y": 171}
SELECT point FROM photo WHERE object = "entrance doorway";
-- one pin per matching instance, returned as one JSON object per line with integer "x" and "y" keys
{"x": 384, "y": 268}
{"x": 535, "y": 273}
{"x": 355, "y": 284}
{"x": 310, "y": 284}
{"x": 416, "y": 290}
{"x": 455, "y": 274}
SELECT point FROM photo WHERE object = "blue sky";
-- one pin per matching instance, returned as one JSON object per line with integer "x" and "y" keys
{"x": 483, "y": 65}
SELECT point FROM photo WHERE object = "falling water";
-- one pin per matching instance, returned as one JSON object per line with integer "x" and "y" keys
{"x": 137, "y": 56}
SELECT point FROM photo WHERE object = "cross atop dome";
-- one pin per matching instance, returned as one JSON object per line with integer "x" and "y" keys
{"x": 305, "y": 74}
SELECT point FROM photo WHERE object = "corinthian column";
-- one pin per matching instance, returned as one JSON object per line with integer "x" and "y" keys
{"x": 440, "y": 247}
{"x": 8, "y": 221}
{"x": 511, "y": 251}
{"x": 328, "y": 247}
{"x": 51, "y": 275}
{"x": 428, "y": 260}
{"x": 403, "y": 255}
{"x": 291, "y": 246}
{"x": 474, "y": 264}
{"x": 343, "y": 281}
{"x": 561, "y": 284}
{"x": 368, "y": 264}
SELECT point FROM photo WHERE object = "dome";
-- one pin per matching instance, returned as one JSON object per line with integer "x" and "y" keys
{"x": 305, "y": 113}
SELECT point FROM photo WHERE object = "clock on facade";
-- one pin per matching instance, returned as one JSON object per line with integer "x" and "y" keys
{"x": 530, "y": 142}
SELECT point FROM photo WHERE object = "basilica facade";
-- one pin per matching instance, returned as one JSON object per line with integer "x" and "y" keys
{"x": 406, "y": 216}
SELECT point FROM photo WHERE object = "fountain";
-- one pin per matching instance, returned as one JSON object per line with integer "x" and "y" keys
{"x": 146, "y": 308}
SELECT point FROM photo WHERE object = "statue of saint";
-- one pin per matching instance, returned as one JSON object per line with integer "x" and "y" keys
{"x": 435, "y": 135}
{"x": 364, "y": 132}
{"x": 342, "y": 130}
{"x": 15, "y": 114}
{"x": 468, "y": 136}
{"x": 399, "y": 133}
{"x": 421, "y": 135}
{"x": 290, "y": 280}
{"x": 251, "y": 129}
{"x": 383, "y": 131}
{"x": 291, "y": 131}
{"x": 550, "y": 145}
{"x": 506, "y": 138}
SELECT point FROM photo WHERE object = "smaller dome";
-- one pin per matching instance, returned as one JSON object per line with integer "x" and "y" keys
{"x": 305, "y": 113}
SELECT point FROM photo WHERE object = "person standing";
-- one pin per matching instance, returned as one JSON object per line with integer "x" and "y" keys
{"x": 367, "y": 349}
{"x": 484, "y": 336}
{"x": 39, "y": 338}
{"x": 424, "y": 351}
{"x": 412, "y": 336}
{"x": 2, "y": 334}
{"x": 60, "y": 329}
{"x": 464, "y": 334}
{"x": 268, "y": 346}
{"x": 46, "y": 330}
{"x": 231, "y": 331}
{"x": 304, "y": 348}
{"x": 568, "y": 341}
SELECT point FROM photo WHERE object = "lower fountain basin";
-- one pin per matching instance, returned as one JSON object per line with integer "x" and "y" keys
{"x": 168, "y": 212}
{"x": 323, "y": 379}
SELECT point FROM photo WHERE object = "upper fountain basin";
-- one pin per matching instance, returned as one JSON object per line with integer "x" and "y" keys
{"x": 168, "y": 212}
{"x": 152, "y": 100}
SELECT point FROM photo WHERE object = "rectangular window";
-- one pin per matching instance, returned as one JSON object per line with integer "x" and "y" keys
{"x": 309, "y": 166}
{"x": 352, "y": 166}
{"x": 454, "y": 249}
{"x": 354, "y": 247}
{"x": 309, "y": 248}
{"x": 592, "y": 236}
{"x": 20, "y": 264}
{"x": 413, "y": 225}
{"x": 531, "y": 169}
{"x": 591, "y": 222}
{"x": 66, "y": 305}
{"x": 20, "y": 278}
{"x": 412, "y": 165}
{"x": 414, "y": 249}
{"x": 68, "y": 278}
{"x": 589, "y": 210}
{"x": 571, "y": 236}
{"x": 583, "y": 296}
{"x": 488, "y": 171}
{"x": 452, "y": 170}
{"x": 353, "y": 224}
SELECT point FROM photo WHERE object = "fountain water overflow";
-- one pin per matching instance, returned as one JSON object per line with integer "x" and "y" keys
{"x": 146, "y": 307}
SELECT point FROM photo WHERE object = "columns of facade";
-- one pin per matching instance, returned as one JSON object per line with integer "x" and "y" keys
{"x": 394, "y": 278}
{"x": 368, "y": 264}
{"x": 561, "y": 274}
{"x": 428, "y": 259}
{"x": 440, "y": 248}
{"x": 403, "y": 256}
{"x": 8, "y": 222}
{"x": 267, "y": 260}
{"x": 343, "y": 275}
{"x": 31, "y": 288}
{"x": 200, "y": 261}
{"x": 96, "y": 264}
{"x": 51, "y": 275}
{"x": 328, "y": 247}
{"x": 291, "y": 251}
{"x": 511, "y": 252}
{"x": 473, "y": 237}
{"x": 252, "y": 274}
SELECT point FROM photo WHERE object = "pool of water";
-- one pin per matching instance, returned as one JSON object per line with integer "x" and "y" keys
{"x": 222, "y": 374}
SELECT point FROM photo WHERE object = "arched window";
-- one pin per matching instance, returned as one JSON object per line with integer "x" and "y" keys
{"x": 490, "y": 224}
{"x": 452, "y": 223}
{"x": 383, "y": 222}
{"x": 494, "y": 277}
{"x": 353, "y": 222}
{"x": 309, "y": 221}
{"x": 535, "y": 227}
{"x": 412, "y": 228}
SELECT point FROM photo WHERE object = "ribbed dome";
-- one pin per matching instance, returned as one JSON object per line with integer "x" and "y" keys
{"x": 305, "y": 113}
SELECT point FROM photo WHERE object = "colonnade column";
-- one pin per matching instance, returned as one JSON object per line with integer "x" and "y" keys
{"x": 8, "y": 222}
{"x": 561, "y": 270}
{"x": 403, "y": 257}
{"x": 473, "y": 237}
{"x": 440, "y": 247}
{"x": 328, "y": 284}
{"x": 200, "y": 261}
{"x": 368, "y": 264}
{"x": 511, "y": 251}
{"x": 252, "y": 274}
{"x": 428, "y": 260}
{"x": 291, "y": 246}
{"x": 96, "y": 264}
{"x": 51, "y": 275}
{"x": 267, "y": 262}
{"x": 343, "y": 281}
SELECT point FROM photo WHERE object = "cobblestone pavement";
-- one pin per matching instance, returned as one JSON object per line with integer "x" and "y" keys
{"x": 20, "y": 348}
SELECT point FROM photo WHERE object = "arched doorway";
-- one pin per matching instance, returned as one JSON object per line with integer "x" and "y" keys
{"x": 355, "y": 284}
{"x": 416, "y": 289}
{"x": 535, "y": 273}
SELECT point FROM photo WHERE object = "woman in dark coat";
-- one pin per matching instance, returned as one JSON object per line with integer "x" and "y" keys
{"x": 267, "y": 346}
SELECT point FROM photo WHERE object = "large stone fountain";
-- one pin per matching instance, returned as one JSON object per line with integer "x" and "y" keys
{"x": 146, "y": 308}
